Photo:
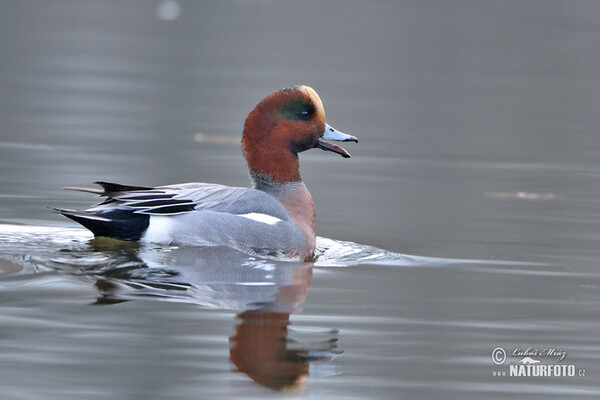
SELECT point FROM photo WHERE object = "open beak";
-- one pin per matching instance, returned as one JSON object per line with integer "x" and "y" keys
{"x": 333, "y": 134}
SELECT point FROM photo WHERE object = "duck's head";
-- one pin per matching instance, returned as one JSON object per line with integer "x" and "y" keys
{"x": 284, "y": 124}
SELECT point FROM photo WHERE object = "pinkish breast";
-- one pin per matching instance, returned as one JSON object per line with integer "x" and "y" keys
{"x": 300, "y": 205}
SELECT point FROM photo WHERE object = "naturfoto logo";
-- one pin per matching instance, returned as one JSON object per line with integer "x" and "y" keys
{"x": 534, "y": 362}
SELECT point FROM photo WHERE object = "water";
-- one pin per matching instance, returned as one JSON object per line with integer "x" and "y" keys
{"x": 477, "y": 171}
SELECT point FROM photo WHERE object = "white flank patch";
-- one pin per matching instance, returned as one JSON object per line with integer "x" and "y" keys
{"x": 158, "y": 230}
{"x": 264, "y": 218}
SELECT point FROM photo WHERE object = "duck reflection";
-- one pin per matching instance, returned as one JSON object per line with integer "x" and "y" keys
{"x": 264, "y": 293}
{"x": 259, "y": 349}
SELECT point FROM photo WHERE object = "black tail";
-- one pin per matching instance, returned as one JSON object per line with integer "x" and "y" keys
{"x": 115, "y": 223}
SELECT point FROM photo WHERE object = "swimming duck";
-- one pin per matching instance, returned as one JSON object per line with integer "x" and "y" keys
{"x": 274, "y": 218}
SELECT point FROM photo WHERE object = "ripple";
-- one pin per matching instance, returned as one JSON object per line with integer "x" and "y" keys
{"x": 30, "y": 249}
{"x": 339, "y": 253}
{"x": 211, "y": 277}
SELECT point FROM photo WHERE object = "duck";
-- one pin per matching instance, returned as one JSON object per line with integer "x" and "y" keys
{"x": 274, "y": 218}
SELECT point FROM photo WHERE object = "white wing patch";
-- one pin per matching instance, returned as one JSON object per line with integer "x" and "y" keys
{"x": 264, "y": 218}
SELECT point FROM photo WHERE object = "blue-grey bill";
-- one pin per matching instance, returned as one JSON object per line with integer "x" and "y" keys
{"x": 333, "y": 134}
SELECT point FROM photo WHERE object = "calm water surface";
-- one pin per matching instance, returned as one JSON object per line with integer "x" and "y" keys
{"x": 477, "y": 171}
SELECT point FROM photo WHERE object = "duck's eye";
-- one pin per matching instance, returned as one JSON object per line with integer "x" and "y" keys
{"x": 304, "y": 115}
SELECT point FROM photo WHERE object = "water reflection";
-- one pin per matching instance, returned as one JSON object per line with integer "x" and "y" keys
{"x": 263, "y": 293}
{"x": 259, "y": 349}
{"x": 262, "y": 348}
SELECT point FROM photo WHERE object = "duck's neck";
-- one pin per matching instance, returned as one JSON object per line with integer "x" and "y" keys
{"x": 296, "y": 199}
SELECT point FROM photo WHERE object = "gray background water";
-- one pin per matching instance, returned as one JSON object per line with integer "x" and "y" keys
{"x": 478, "y": 126}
